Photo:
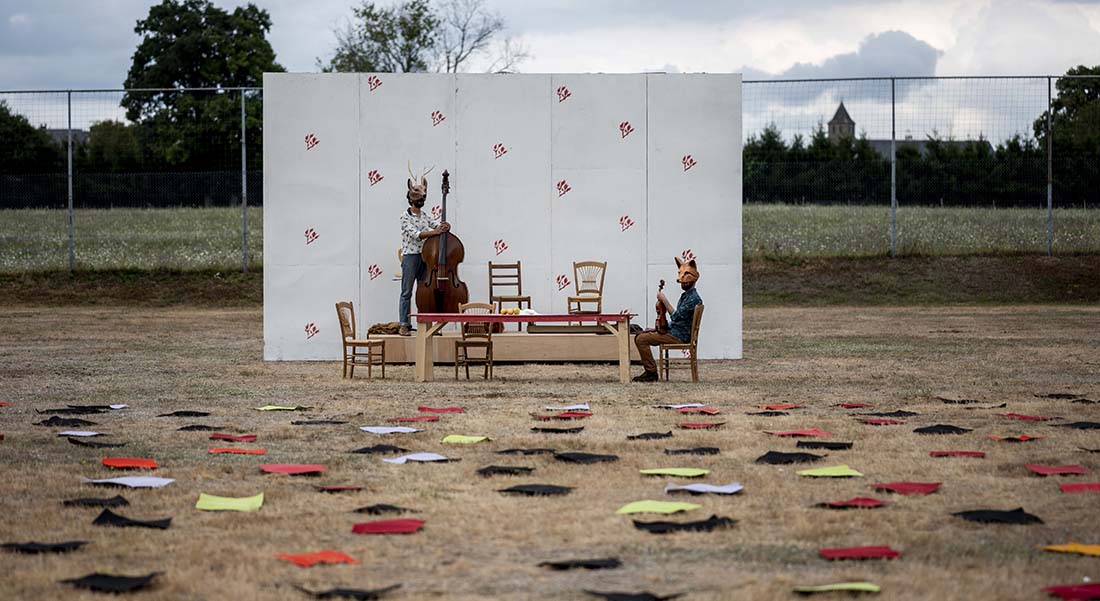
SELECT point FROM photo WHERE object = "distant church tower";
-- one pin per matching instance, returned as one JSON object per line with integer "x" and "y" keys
{"x": 841, "y": 125}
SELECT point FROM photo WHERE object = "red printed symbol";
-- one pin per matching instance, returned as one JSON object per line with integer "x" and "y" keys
{"x": 625, "y": 128}
{"x": 373, "y": 82}
{"x": 687, "y": 255}
{"x": 625, "y": 222}
{"x": 500, "y": 246}
{"x": 374, "y": 271}
{"x": 374, "y": 177}
{"x": 437, "y": 212}
{"x": 311, "y": 330}
{"x": 563, "y": 93}
{"x": 563, "y": 188}
{"x": 688, "y": 162}
{"x": 499, "y": 150}
{"x": 563, "y": 282}
{"x": 311, "y": 141}
{"x": 311, "y": 235}
{"x": 437, "y": 118}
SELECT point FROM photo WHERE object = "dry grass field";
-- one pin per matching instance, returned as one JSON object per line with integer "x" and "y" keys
{"x": 480, "y": 544}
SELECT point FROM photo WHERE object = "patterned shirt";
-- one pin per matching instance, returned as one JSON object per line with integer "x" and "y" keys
{"x": 411, "y": 226}
{"x": 679, "y": 323}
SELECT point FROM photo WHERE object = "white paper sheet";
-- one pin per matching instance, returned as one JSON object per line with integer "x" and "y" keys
{"x": 727, "y": 489}
{"x": 389, "y": 429}
{"x": 681, "y": 406}
{"x": 577, "y": 407}
{"x": 417, "y": 457}
{"x": 133, "y": 481}
{"x": 78, "y": 433}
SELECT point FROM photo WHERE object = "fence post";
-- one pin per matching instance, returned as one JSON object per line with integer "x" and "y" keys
{"x": 893, "y": 173}
{"x": 244, "y": 191}
{"x": 69, "y": 104}
{"x": 1050, "y": 172}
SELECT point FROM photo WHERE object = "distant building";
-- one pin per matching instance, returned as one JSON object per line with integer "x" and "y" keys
{"x": 843, "y": 126}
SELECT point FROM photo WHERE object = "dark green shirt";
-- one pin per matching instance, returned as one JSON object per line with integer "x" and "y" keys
{"x": 679, "y": 323}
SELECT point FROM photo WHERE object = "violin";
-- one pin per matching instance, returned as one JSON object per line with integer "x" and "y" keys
{"x": 439, "y": 289}
{"x": 662, "y": 313}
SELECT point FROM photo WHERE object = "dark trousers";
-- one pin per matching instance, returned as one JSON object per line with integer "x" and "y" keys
{"x": 410, "y": 269}
{"x": 647, "y": 339}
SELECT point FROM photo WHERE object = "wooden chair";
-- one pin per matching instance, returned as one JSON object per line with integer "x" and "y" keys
{"x": 475, "y": 335}
{"x": 507, "y": 275}
{"x": 588, "y": 280}
{"x": 376, "y": 349}
{"x": 691, "y": 347}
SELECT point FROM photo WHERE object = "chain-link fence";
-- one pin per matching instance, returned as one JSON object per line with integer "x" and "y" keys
{"x": 95, "y": 179}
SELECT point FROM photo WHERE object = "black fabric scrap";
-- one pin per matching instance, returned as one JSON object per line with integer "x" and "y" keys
{"x": 942, "y": 429}
{"x": 993, "y": 516}
{"x": 95, "y": 445}
{"x": 110, "y": 518}
{"x": 588, "y": 564}
{"x": 108, "y": 583}
{"x": 947, "y": 401}
{"x": 350, "y": 593}
{"x": 706, "y": 525}
{"x": 1001, "y": 406}
{"x": 505, "y": 470}
{"x": 536, "y": 451}
{"x": 1084, "y": 401}
{"x": 1089, "y": 450}
{"x": 36, "y": 548}
{"x": 115, "y": 501}
{"x": 67, "y": 422}
{"x": 200, "y": 428}
{"x": 383, "y": 508}
{"x": 558, "y": 430}
{"x": 778, "y": 458}
{"x": 73, "y": 410}
{"x": 318, "y": 422}
{"x": 767, "y": 413}
{"x": 650, "y": 436}
{"x": 1081, "y": 425}
{"x": 824, "y": 444}
{"x": 1058, "y": 395}
{"x": 694, "y": 451}
{"x": 632, "y": 596}
{"x": 537, "y": 489}
{"x": 185, "y": 413}
{"x": 379, "y": 449}
{"x": 585, "y": 458}
{"x": 898, "y": 413}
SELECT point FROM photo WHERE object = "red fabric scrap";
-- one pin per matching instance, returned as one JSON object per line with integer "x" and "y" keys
{"x": 979, "y": 454}
{"x": 781, "y": 407}
{"x": 1056, "y": 470}
{"x": 909, "y": 488}
{"x": 882, "y": 421}
{"x": 701, "y": 426}
{"x": 858, "y": 502}
{"x": 859, "y": 553}
{"x": 3, "y": 404}
{"x": 310, "y": 559}
{"x": 291, "y": 468}
{"x": 1026, "y": 418}
{"x": 566, "y": 415}
{"x": 1075, "y": 591}
{"x": 854, "y": 405}
{"x": 1081, "y": 487}
{"x": 129, "y": 463}
{"x": 1021, "y": 438}
{"x": 810, "y": 432}
{"x": 419, "y": 418}
{"x": 232, "y": 438}
{"x": 403, "y": 526}
{"x": 441, "y": 409}
{"x": 703, "y": 410}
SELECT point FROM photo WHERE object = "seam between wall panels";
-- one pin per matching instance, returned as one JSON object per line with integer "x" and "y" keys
{"x": 550, "y": 202}
{"x": 359, "y": 199}
{"x": 648, "y": 222}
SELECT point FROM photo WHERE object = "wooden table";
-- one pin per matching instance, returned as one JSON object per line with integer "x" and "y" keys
{"x": 430, "y": 323}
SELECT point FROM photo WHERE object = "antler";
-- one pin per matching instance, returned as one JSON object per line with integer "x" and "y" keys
{"x": 408, "y": 165}
{"x": 427, "y": 172}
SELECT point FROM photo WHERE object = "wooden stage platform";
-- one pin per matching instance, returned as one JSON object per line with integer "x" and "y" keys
{"x": 515, "y": 346}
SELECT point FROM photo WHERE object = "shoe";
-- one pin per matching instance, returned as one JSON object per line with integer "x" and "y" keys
{"x": 647, "y": 376}
{"x": 404, "y": 331}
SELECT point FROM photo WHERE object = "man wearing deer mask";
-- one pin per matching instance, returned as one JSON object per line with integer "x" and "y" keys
{"x": 416, "y": 226}
{"x": 679, "y": 320}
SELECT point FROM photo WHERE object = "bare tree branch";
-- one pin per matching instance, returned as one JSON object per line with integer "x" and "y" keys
{"x": 467, "y": 29}
{"x": 508, "y": 56}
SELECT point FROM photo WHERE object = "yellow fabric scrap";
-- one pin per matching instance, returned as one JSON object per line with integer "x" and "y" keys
{"x": 834, "y": 471}
{"x": 648, "y": 506}
{"x": 683, "y": 472}
{"x": 855, "y": 587}
{"x": 213, "y": 503}
{"x": 1093, "y": 550}
{"x": 462, "y": 439}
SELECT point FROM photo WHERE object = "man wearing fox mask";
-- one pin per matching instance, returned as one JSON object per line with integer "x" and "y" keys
{"x": 416, "y": 226}
{"x": 679, "y": 320}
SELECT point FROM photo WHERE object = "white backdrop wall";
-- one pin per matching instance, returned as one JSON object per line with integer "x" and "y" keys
{"x": 545, "y": 169}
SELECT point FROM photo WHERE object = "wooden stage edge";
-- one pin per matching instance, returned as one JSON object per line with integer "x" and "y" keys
{"x": 515, "y": 346}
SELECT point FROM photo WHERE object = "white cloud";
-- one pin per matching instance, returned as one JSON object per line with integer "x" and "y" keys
{"x": 19, "y": 20}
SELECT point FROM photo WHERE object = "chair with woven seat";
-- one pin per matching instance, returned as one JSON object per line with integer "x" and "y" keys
{"x": 507, "y": 276}
{"x": 376, "y": 349}
{"x": 588, "y": 282}
{"x": 690, "y": 348}
{"x": 478, "y": 335}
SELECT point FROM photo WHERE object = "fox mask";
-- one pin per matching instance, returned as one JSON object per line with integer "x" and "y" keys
{"x": 688, "y": 272}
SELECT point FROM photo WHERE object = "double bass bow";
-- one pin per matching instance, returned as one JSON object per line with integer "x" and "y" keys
{"x": 661, "y": 324}
{"x": 439, "y": 289}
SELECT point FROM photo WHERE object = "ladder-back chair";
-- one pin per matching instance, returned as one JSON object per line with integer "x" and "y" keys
{"x": 376, "y": 349}
{"x": 690, "y": 347}
{"x": 507, "y": 276}
{"x": 588, "y": 281}
{"x": 475, "y": 335}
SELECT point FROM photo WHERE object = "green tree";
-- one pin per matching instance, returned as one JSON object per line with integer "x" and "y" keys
{"x": 26, "y": 148}
{"x": 1076, "y": 129}
{"x": 397, "y": 39}
{"x": 112, "y": 147}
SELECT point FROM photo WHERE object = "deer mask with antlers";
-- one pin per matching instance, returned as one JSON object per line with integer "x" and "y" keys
{"x": 418, "y": 193}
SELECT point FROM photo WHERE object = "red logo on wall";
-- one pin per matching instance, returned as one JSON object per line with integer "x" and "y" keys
{"x": 500, "y": 246}
{"x": 499, "y": 150}
{"x": 311, "y": 235}
{"x": 374, "y": 177}
{"x": 311, "y": 330}
{"x": 563, "y": 282}
{"x": 437, "y": 118}
{"x": 625, "y": 128}
{"x": 311, "y": 141}
{"x": 687, "y": 255}
{"x": 373, "y": 82}
{"x": 625, "y": 222}
{"x": 374, "y": 271}
{"x": 437, "y": 212}
{"x": 688, "y": 162}
{"x": 563, "y": 187}
{"x": 563, "y": 93}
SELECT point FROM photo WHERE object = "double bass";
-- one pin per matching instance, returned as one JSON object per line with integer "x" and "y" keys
{"x": 439, "y": 289}
{"x": 662, "y": 313}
